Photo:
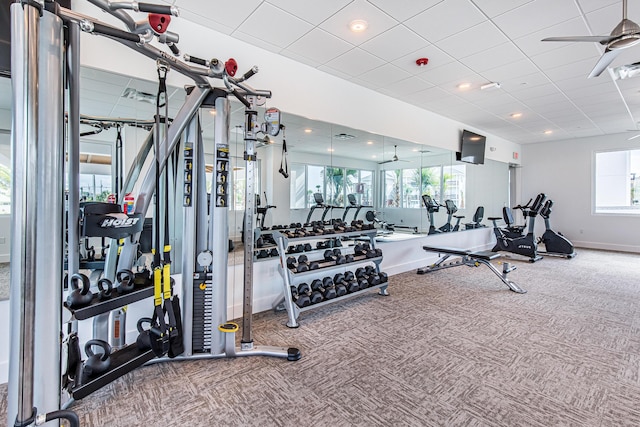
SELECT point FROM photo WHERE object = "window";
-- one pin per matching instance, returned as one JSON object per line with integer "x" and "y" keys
{"x": 333, "y": 183}
{"x": 617, "y": 182}
{"x": 95, "y": 187}
{"x": 403, "y": 188}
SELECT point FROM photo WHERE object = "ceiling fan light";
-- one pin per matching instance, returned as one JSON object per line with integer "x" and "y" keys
{"x": 625, "y": 42}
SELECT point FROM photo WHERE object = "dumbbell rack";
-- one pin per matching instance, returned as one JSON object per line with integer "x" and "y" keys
{"x": 291, "y": 278}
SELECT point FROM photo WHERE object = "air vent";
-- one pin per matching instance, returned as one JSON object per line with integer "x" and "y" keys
{"x": 132, "y": 93}
{"x": 626, "y": 71}
{"x": 343, "y": 136}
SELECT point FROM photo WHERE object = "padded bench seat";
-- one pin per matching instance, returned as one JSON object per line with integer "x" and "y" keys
{"x": 486, "y": 255}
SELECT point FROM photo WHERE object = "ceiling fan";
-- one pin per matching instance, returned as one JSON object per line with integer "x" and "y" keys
{"x": 394, "y": 158}
{"x": 624, "y": 35}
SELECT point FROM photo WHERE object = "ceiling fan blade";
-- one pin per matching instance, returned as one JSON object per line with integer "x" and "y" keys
{"x": 594, "y": 39}
{"x": 385, "y": 161}
{"x": 607, "y": 58}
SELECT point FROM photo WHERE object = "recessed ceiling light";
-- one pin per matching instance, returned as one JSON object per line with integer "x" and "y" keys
{"x": 331, "y": 150}
{"x": 516, "y": 115}
{"x": 307, "y": 131}
{"x": 415, "y": 150}
{"x": 374, "y": 156}
{"x": 548, "y": 132}
{"x": 369, "y": 142}
{"x": 464, "y": 86}
{"x": 358, "y": 25}
{"x": 490, "y": 86}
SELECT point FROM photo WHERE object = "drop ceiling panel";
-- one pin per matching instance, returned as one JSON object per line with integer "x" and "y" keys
{"x": 404, "y": 87}
{"x": 473, "y": 40}
{"x": 319, "y": 46}
{"x": 274, "y": 26}
{"x": 568, "y": 53}
{"x": 591, "y": 5}
{"x": 512, "y": 70}
{"x": 377, "y": 20}
{"x": 394, "y": 43}
{"x": 229, "y": 14}
{"x": 355, "y": 62}
{"x": 535, "y": 16}
{"x": 532, "y": 44}
{"x": 384, "y": 75}
{"x": 494, "y": 57}
{"x": 445, "y": 19}
{"x": 311, "y": 11}
{"x": 493, "y": 8}
{"x": 447, "y": 73}
{"x": 405, "y": 9}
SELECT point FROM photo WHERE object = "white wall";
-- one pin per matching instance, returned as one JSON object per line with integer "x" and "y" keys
{"x": 563, "y": 170}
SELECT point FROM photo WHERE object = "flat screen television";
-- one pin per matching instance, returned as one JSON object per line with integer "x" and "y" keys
{"x": 472, "y": 147}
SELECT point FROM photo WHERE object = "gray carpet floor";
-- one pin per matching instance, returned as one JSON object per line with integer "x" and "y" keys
{"x": 451, "y": 348}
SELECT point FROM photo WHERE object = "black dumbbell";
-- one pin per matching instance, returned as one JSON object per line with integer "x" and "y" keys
{"x": 348, "y": 276}
{"x": 352, "y": 286}
{"x": 299, "y": 248}
{"x": 262, "y": 253}
{"x": 363, "y": 283}
{"x": 358, "y": 250}
{"x": 303, "y": 264}
{"x": 329, "y": 288}
{"x": 337, "y": 242}
{"x": 339, "y": 284}
{"x": 273, "y": 252}
{"x": 259, "y": 242}
{"x": 374, "y": 280}
{"x": 370, "y": 253}
{"x": 349, "y": 258}
{"x": 307, "y": 247}
{"x": 329, "y": 256}
{"x": 303, "y": 288}
{"x": 291, "y": 249}
{"x": 384, "y": 278}
{"x": 316, "y": 292}
{"x": 301, "y": 300}
{"x": 291, "y": 263}
{"x": 314, "y": 265}
{"x": 361, "y": 272}
{"x": 370, "y": 269}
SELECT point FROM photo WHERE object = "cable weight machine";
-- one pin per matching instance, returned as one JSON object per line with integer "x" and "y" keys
{"x": 36, "y": 279}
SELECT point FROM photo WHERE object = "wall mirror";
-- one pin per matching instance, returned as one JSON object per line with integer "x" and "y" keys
{"x": 387, "y": 174}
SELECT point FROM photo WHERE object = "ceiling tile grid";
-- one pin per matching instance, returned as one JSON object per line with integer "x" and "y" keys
{"x": 465, "y": 41}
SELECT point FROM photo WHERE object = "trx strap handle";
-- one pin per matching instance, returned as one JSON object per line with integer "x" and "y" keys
{"x": 284, "y": 171}
{"x": 118, "y": 162}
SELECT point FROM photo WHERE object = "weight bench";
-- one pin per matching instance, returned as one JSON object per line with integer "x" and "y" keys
{"x": 471, "y": 259}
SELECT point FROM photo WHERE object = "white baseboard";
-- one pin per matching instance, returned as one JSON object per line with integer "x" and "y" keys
{"x": 607, "y": 246}
{"x": 5, "y": 257}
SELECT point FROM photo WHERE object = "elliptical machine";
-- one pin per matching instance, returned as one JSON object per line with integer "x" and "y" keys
{"x": 554, "y": 243}
{"x": 451, "y": 210}
{"x": 262, "y": 211}
{"x": 525, "y": 245}
{"x": 432, "y": 207}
